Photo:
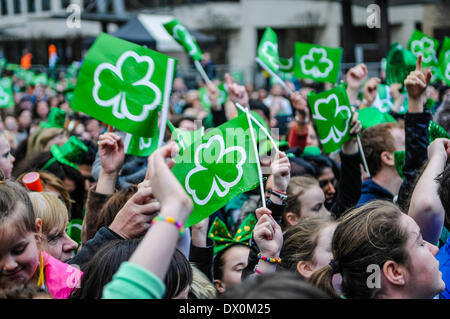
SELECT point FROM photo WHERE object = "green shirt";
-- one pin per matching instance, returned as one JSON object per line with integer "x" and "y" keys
{"x": 134, "y": 282}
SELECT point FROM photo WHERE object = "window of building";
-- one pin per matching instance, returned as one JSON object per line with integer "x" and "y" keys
{"x": 17, "y": 6}
{"x": 65, "y": 3}
{"x": 31, "y": 6}
{"x": 3, "y": 8}
{"x": 45, "y": 5}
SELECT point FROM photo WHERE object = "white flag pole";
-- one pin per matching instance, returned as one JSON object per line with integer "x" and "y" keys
{"x": 258, "y": 164}
{"x": 202, "y": 72}
{"x": 243, "y": 109}
{"x": 165, "y": 107}
{"x": 272, "y": 74}
{"x": 363, "y": 157}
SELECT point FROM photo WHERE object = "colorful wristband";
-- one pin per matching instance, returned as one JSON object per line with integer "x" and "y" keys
{"x": 170, "y": 220}
{"x": 269, "y": 260}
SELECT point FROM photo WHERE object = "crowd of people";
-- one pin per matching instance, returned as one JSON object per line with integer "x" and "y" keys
{"x": 328, "y": 228}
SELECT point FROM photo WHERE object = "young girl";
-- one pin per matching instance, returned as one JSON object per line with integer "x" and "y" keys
{"x": 380, "y": 253}
{"x": 22, "y": 260}
{"x": 6, "y": 158}
{"x": 54, "y": 217}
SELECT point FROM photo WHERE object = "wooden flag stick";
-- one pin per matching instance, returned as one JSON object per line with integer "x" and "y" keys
{"x": 258, "y": 164}
{"x": 272, "y": 74}
{"x": 363, "y": 157}
{"x": 202, "y": 72}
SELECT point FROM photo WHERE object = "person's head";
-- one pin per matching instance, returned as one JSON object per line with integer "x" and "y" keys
{"x": 305, "y": 199}
{"x": 380, "y": 253}
{"x": 44, "y": 138}
{"x": 41, "y": 110}
{"x": 276, "y": 90}
{"x": 307, "y": 245}
{"x": 6, "y": 158}
{"x": 19, "y": 236}
{"x": 312, "y": 138}
{"x": 228, "y": 266}
{"x": 24, "y": 118}
{"x": 260, "y": 108}
{"x": 100, "y": 269}
{"x": 112, "y": 207}
{"x": 178, "y": 278}
{"x": 277, "y": 285}
{"x": 54, "y": 217}
{"x": 201, "y": 287}
{"x": 379, "y": 143}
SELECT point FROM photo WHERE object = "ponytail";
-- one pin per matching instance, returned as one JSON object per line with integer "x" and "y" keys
{"x": 323, "y": 279}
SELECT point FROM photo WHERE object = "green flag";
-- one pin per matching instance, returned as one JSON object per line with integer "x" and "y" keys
{"x": 183, "y": 37}
{"x": 317, "y": 62}
{"x": 212, "y": 168}
{"x": 184, "y": 138}
{"x": 204, "y": 98}
{"x": 371, "y": 116}
{"x": 3, "y": 63}
{"x": 268, "y": 50}
{"x": 140, "y": 146}
{"x": 444, "y": 61}
{"x": 399, "y": 64}
{"x": 420, "y": 43}
{"x": 332, "y": 114}
{"x": 124, "y": 85}
{"x": 287, "y": 65}
{"x": 6, "y": 93}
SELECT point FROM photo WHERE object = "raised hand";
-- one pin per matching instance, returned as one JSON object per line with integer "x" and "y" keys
{"x": 356, "y": 77}
{"x": 351, "y": 146}
{"x": 267, "y": 233}
{"x": 213, "y": 95}
{"x": 370, "y": 91}
{"x": 112, "y": 153}
{"x": 417, "y": 81}
{"x": 133, "y": 220}
{"x": 236, "y": 92}
{"x": 281, "y": 171}
{"x": 397, "y": 96}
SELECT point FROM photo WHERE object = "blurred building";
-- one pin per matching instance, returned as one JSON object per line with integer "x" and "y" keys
{"x": 237, "y": 26}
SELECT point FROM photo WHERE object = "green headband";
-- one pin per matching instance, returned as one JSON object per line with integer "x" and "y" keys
{"x": 222, "y": 238}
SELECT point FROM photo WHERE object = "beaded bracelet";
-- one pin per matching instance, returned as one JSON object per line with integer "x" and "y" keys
{"x": 170, "y": 220}
{"x": 269, "y": 260}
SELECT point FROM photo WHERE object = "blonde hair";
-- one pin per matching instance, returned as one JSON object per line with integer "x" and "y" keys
{"x": 51, "y": 210}
{"x": 201, "y": 286}
{"x": 39, "y": 140}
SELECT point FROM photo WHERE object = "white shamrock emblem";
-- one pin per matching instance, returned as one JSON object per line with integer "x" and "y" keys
{"x": 119, "y": 101}
{"x": 334, "y": 134}
{"x": 315, "y": 70}
{"x": 270, "y": 57}
{"x": 225, "y": 186}
{"x": 143, "y": 144}
{"x": 425, "y": 46}
{"x": 4, "y": 97}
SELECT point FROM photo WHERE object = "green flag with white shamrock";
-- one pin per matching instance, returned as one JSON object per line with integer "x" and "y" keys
{"x": 286, "y": 65}
{"x": 184, "y": 138}
{"x": 140, "y": 146}
{"x": 268, "y": 50}
{"x": 212, "y": 168}
{"x": 444, "y": 61}
{"x": 332, "y": 114}
{"x": 317, "y": 62}
{"x": 124, "y": 85}
{"x": 420, "y": 43}
{"x": 185, "y": 38}
{"x": 6, "y": 93}
{"x": 204, "y": 98}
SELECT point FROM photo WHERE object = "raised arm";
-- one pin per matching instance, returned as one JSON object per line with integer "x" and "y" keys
{"x": 425, "y": 206}
{"x": 355, "y": 79}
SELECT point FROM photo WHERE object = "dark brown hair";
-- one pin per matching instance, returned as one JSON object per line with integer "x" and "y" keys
{"x": 369, "y": 235}
{"x": 376, "y": 140}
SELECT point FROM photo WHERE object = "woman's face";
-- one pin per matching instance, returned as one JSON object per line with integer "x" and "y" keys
{"x": 322, "y": 253}
{"x": 235, "y": 261}
{"x": 19, "y": 256}
{"x": 42, "y": 109}
{"x": 6, "y": 158}
{"x": 60, "y": 245}
{"x": 25, "y": 119}
{"x": 312, "y": 203}
{"x": 312, "y": 139}
{"x": 423, "y": 277}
